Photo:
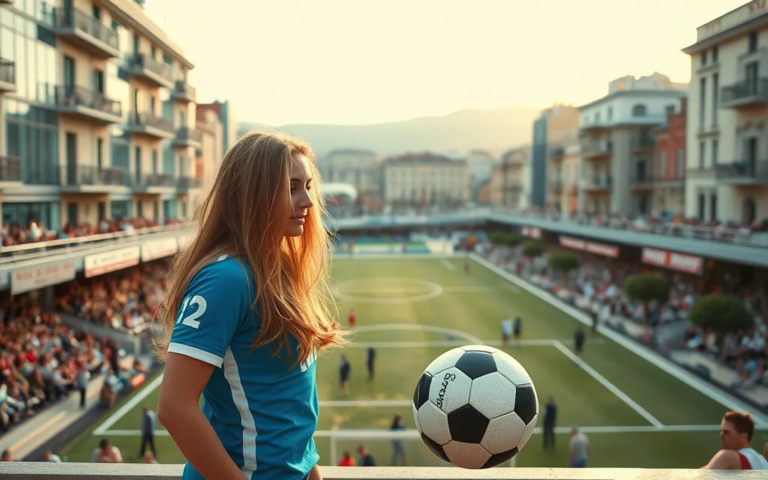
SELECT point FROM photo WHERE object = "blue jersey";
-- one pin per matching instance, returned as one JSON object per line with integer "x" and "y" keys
{"x": 263, "y": 411}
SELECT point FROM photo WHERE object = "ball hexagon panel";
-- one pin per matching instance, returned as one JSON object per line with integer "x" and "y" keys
{"x": 445, "y": 361}
{"x": 466, "y": 455}
{"x": 493, "y": 395}
{"x": 450, "y": 389}
{"x": 527, "y": 434}
{"x": 467, "y": 424}
{"x": 500, "y": 458}
{"x": 476, "y": 364}
{"x": 421, "y": 394}
{"x": 434, "y": 423}
{"x": 416, "y": 418}
{"x": 511, "y": 368}
{"x": 526, "y": 403}
{"x": 436, "y": 448}
{"x": 479, "y": 348}
{"x": 503, "y": 434}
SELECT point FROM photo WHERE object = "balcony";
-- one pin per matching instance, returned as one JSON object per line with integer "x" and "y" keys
{"x": 184, "y": 92}
{"x": 10, "y": 172}
{"x": 186, "y": 137}
{"x": 670, "y": 182}
{"x": 146, "y": 68}
{"x": 185, "y": 184}
{"x": 88, "y": 104}
{"x": 745, "y": 94}
{"x": 641, "y": 182}
{"x": 7, "y": 75}
{"x": 86, "y": 32}
{"x": 92, "y": 179}
{"x": 154, "y": 183}
{"x": 557, "y": 153}
{"x": 754, "y": 172}
{"x": 556, "y": 185}
{"x": 149, "y": 124}
{"x": 597, "y": 150}
{"x": 641, "y": 143}
{"x": 598, "y": 183}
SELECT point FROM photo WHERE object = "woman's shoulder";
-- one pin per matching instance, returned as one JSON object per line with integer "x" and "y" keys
{"x": 227, "y": 273}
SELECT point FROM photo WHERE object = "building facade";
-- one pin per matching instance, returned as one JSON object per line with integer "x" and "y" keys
{"x": 98, "y": 118}
{"x": 538, "y": 162}
{"x": 226, "y": 114}
{"x": 616, "y": 142}
{"x": 358, "y": 168}
{"x": 424, "y": 180}
{"x": 727, "y": 144}
{"x": 211, "y": 152}
{"x": 508, "y": 182}
{"x": 669, "y": 164}
{"x": 562, "y": 157}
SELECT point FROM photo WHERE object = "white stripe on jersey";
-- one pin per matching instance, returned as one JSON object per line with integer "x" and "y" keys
{"x": 756, "y": 461}
{"x": 232, "y": 374}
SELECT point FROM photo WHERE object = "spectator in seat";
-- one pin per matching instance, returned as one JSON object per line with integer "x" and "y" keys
{"x": 106, "y": 453}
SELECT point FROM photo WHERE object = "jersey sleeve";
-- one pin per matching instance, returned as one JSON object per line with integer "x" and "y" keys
{"x": 213, "y": 306}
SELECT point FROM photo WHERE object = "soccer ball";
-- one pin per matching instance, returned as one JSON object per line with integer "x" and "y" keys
{"x": 475, "y": 406}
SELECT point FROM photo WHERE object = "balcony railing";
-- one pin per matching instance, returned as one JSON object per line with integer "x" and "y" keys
{"x": 186, "y": 135}
{"x": 148, "y": 119}
{"x": 70, "y": 95}
{"x": 10, "y": 169}
{"x": 186, "y": 183}
{"x": 7, "y": 71}
{"x": 745, "y": 93}
{"x": 597, "y": 148}
{"x": 143, "y": 62}
{"x": 79, "y": 20}
{"x": 753, "y": 171}
{"x": 156, "y": 180}
{"x": 642, "y": 143}
{"x": 128, "y": 471}
{"x": 599, "y": 182}
{"x": 87, "y": 175}
{"x": 184, "y": 90}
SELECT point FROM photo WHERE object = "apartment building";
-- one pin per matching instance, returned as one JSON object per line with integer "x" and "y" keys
{"x": 727, "y": 144}
{"x": 418, "y": 180}
{"x": 562, "y": 158}
{"x": 358, "y": 168}
{"x": 98, "y": 116}
{"x": 616, "y": 142}
{"x": 508, "y": 186}
{"x": 211, "y": 152}
{"x": 669, "y": 163}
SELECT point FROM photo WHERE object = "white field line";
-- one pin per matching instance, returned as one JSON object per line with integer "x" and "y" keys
{"x": 454, "y": 343}
{"x": 473, "y": 288}
{"x": 610, "y": 386}
{"x": 129, "y": 405}
{"x": 666, "y": 365}
{"x": 354, "y": 433}
{"x": 448, "y": 265}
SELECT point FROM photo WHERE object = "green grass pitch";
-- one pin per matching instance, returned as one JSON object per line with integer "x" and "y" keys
{"x": 410, "y": 308}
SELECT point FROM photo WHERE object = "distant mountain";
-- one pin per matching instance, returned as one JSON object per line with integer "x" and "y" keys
{"x": 459, "y": 132}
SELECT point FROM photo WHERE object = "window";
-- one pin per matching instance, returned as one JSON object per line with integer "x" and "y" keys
{"x": 137, "y": 165}
{"x": 597, "y": 118}
{"x": 638, "y": 110}
{"x": 713, "y": 206}
{"x": 154, "y": 162}
{"x": 98, "y": 80}
{"x": 100, "y": 153}
{"x": 704, "y": 58}
{"x": 702, "y": 154}
{"x": 610, "y": 113}
{"x": 702, "y": 101}
{"x": 715, "y": 148}
{"x": 663, "y": 165}
{"x": 96, "y": 12}
{"x": 140, "y": 209}
{"x": 69, "y": 71}
{"x": 670, "y": 110}
{"x": 702, "y": 207}
{"x": 680, "y": 163}
{"x": 753, "y": 42}
{"x": 32, "y": 133}
{"x": 715, "y": 99}
{"x": 715, "y": 54}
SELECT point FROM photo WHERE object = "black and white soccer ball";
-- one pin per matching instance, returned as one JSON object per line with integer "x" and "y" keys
{"x": 475, "y": 406}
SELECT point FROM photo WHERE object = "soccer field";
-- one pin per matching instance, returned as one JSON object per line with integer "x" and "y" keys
{"x": 412, "y": 310}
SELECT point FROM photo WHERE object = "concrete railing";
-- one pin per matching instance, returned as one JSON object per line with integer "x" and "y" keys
{"x": 77, "y": 471}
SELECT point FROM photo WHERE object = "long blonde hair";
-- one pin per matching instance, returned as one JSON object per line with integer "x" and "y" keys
{"x": 243, "y": 216}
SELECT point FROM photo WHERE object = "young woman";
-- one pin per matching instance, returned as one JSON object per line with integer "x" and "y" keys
{"x": 246, "y": 313}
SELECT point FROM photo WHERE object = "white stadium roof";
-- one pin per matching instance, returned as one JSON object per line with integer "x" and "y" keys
{"x": 335, "y": 189}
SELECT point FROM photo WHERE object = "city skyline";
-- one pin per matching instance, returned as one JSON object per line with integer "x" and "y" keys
{"x": 376, "y": 62}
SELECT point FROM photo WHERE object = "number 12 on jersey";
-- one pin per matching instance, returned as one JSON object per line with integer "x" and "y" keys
{"x": 191, "y": 319}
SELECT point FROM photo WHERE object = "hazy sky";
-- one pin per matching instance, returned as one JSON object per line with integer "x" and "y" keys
{"x": 370, "y": 61}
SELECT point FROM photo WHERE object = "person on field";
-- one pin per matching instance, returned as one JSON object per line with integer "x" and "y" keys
{"x": 736, "y": 452}
{"x": 247, "y": 312}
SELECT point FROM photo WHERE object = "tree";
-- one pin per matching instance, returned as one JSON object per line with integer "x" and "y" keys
{"x": 645, "y": 288}
{"x": 721, "y": 313}
{"x": 513, "y": 240}
{"x": 563, "y": 262}
{"x": 532, "y": 249}
{"x": 497, "y": 238}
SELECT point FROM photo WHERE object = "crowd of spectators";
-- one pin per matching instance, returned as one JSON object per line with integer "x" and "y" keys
{"x": 597, "y": 288}
{"x": 35, "y": 231}
{"x": 126, "y": 300}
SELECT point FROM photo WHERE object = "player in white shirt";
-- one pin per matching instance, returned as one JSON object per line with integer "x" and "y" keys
{"x": 737, "y": 453}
